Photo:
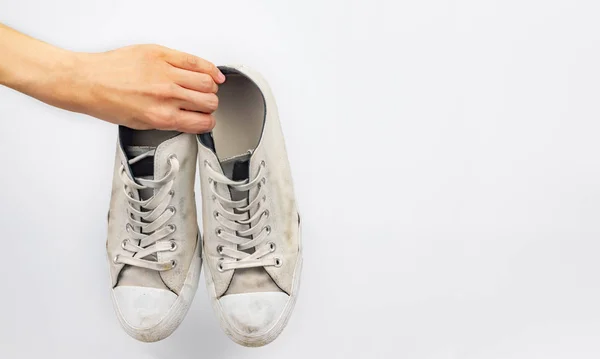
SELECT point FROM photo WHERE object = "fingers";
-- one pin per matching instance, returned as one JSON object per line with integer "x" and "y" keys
{"x": 181, "y": 110}
{"x": 194, "y": 63}
{"x": 194, "y": 81}
{"x": 198, "y": 101}
{"x": 194, "y": 122}
{"x": 172, "y": 119}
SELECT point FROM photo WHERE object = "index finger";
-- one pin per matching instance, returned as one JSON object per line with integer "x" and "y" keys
{"x": 190, "y": 62}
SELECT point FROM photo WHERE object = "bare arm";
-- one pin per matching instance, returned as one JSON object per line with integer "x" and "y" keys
{"x": 141, "y": 86}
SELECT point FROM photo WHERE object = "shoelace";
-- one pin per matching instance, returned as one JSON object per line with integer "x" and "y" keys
{"x": 237, "y": 223}
{"x": 147, "y": 218}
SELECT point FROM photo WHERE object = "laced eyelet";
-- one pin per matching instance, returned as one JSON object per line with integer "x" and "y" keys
{"x": 278, "y": 262}
{"x": 272, "y": 247}
{"x": 116, "y": 259}
{"x": 173, "y": 246}
{"x": 130, "y": 194}
{"x": 220, "y": 249}
{"x": 268, "y": 229}
{"x": 216, "y": 214}
{"x": 173, "y": 263}
{"x": 124, "y": 243}
{"x": 172, "y": 227}
{"x": 218, "y": 231}
{"x": 172, "y": 157}
{"x": 128, "y": 227}
{"x": 266, "y": 213}
{"x": 172, "y": 209}
{"x": 220, "y": 265}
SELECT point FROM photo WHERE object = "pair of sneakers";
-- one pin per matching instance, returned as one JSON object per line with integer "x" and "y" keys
{"x": 251, "y": 245}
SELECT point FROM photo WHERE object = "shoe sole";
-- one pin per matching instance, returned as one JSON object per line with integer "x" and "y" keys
{"x": 270, "y": 334}
{"x": 177, "y": 313}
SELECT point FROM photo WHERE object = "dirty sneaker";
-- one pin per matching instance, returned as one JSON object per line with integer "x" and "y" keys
{"x": 153, "y": 239}
{"x": 252, "y": 245}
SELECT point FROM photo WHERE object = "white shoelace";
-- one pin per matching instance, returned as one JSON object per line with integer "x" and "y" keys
{"x": 147, "y": 218}
{"x": 236, "y": 217}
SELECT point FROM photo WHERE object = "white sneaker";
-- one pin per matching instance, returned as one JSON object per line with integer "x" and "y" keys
{"x": 153, "y": 239}
{"x": 252, "y": 249}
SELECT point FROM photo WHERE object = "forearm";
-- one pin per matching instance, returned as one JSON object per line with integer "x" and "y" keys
{"x": 36, "y": 68}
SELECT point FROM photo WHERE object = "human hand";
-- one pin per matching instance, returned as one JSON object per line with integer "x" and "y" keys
{"x": 145, "y": 87}
{"x": 141, "y": 86}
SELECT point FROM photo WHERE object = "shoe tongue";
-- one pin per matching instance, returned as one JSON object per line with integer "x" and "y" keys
{"x": 237, "y": 168}
{"x": 144, "y": 142}
{"x": 131, "y": 275}
{"x": 143, "y": 168}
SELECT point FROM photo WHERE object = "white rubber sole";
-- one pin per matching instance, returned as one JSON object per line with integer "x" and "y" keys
{"x": 267, "y": 336}
{"x": 178, "y": 310}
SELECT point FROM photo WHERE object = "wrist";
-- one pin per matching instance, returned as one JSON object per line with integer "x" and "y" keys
{"x": 47, "y": 73}
{"x": 69, "y": 82}
{"x": 63, "y": 81}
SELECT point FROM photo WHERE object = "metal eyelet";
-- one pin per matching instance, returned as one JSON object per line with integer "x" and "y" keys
{"x": 216, "y": 214}
{"x": 220, "y": 249}
{"x": 268, "y": 229}
{"x": 172, "y": 209}
{"x": 173, "y": 246}
{"x": 218, "y": 231}
{"x": 272, "y": 247}
{"x": 173, "y": 263}
{"x": 128, "y": 227}
{"x": 116, "y": 259}
{"x": 220, "y": 265}
{"x": 278, "y": 262}
{"x": 124, "y": 243}
{"x": 172, "y": 227}
{"x": 266, "y": 213}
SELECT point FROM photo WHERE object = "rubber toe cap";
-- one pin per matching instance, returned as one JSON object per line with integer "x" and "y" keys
{"x": 254, "y": 314}
{"x": 141, "y": 307}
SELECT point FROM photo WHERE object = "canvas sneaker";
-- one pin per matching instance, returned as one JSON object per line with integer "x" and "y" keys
{"x": 153, "y": 238}
{"x": 252, "y": 246}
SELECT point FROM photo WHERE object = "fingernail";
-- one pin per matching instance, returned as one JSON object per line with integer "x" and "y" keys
{"x": 221, "y": 77}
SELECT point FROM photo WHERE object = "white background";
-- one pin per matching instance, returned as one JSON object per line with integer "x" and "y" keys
{"x": 445, "y": 156}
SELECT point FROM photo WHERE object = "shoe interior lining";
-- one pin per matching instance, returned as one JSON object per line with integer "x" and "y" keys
{"x": 239, "y": 118}
{"x": 151, "y": 138}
